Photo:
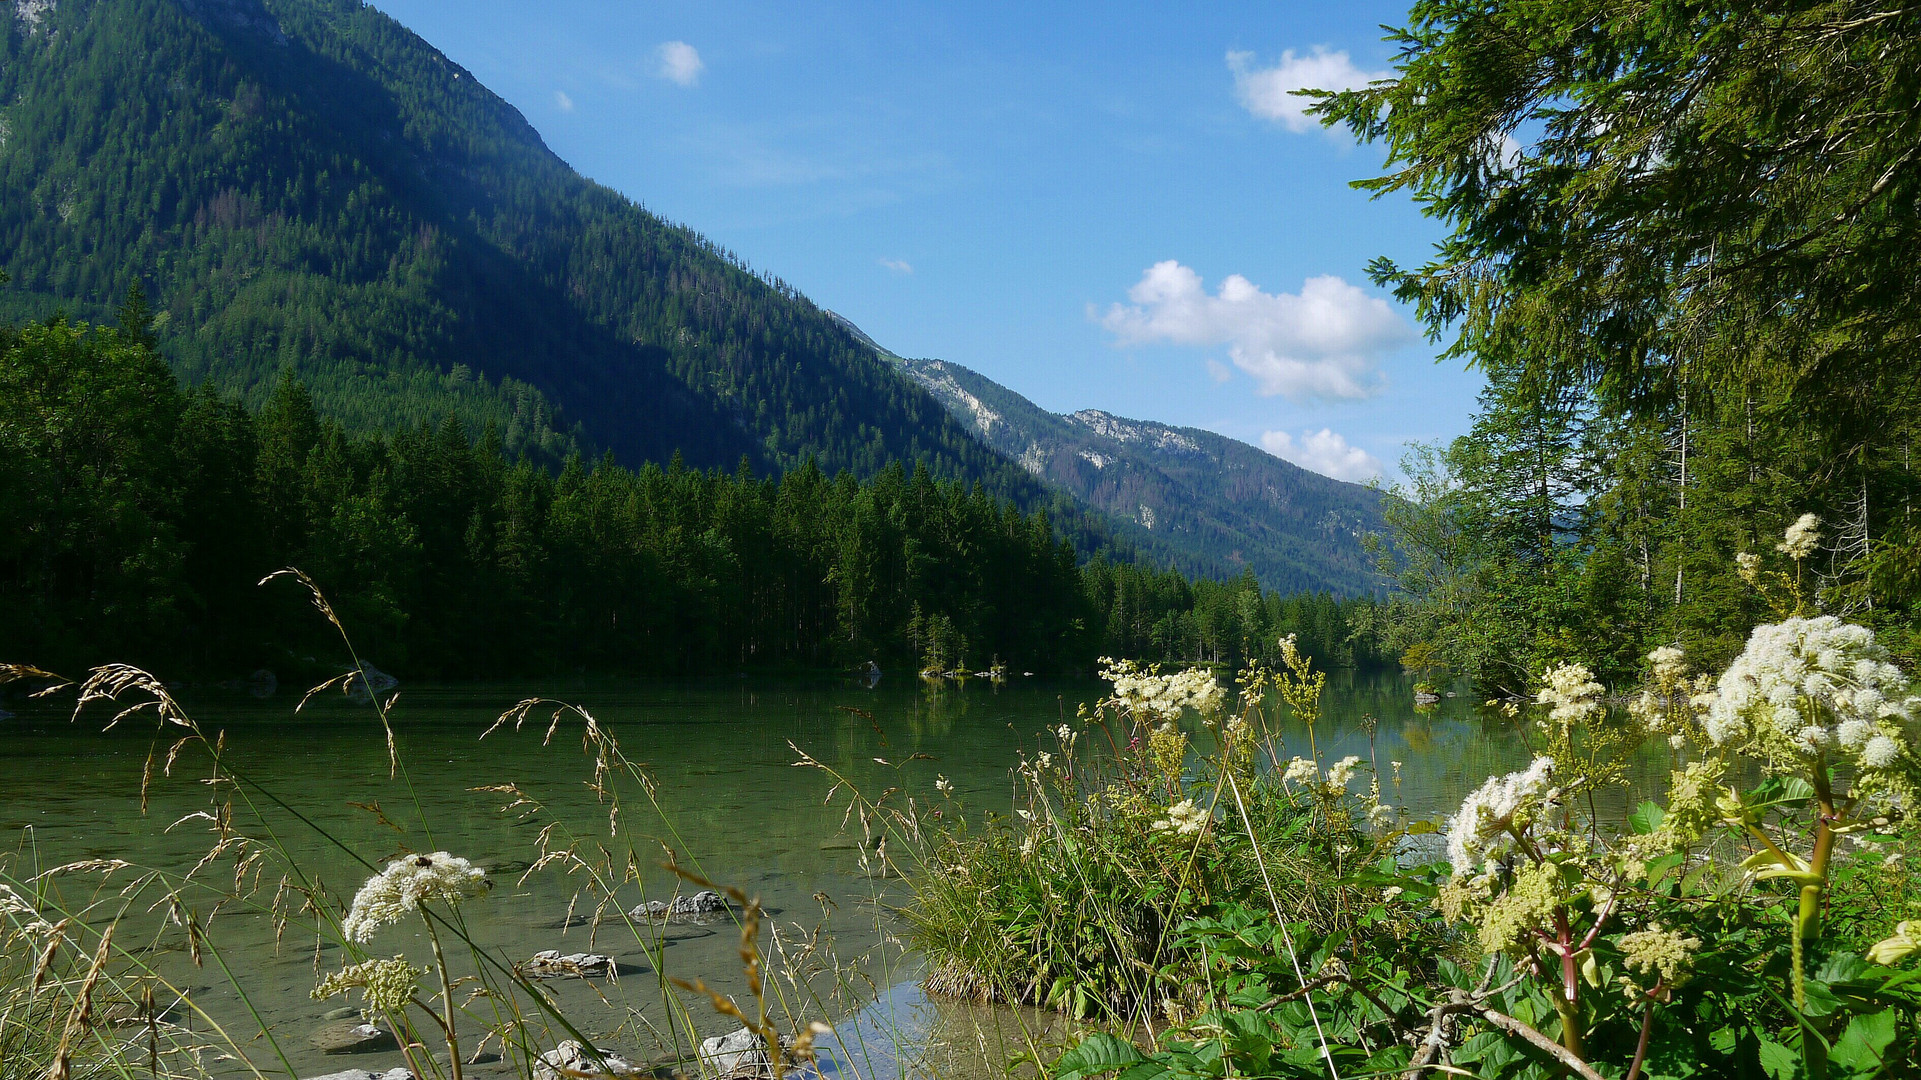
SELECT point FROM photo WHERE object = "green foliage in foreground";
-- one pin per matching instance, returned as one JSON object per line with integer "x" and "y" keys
{"x": 135, "y": 519}
{"x": 1235, "y": 914}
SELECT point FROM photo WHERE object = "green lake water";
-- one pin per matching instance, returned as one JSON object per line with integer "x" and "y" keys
{"x": 730, "y": 800}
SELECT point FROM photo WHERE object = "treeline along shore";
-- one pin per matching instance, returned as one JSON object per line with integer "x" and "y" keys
{"x": 137, "y": 517}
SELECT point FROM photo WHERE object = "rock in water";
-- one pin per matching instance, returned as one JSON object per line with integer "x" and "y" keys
{"x": 550, "y": 964}
{"x": 742, "y": 1055}
{"x": 702, "y": 904}
{"x": 571, "y": 1060}
{"x": 362, "y": 685}
{"x": 363, "y": 1074}
{"x": 352, "y": 1037}
{"x": 739, "y": 1054}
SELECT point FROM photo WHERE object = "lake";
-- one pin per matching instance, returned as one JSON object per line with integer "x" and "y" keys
{"x": 726, "y": 798}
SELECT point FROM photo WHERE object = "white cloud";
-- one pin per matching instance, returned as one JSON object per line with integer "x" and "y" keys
{"x": 1218, "y": 371}
{"x": 898, "y": 266}
{"x": 1269, "y": 92}
{"x": 563, "y": 102}
{"x": 680, "y": 63}
{"x": 1324, "y": 452}
{"x": 1325, "y": 342}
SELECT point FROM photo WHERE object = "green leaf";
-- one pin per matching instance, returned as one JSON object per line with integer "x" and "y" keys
{"x": 1862, "y": 1048}
{"x": 1098, "y": 1053}
{"x": 1780, "y": 1062}
{"x": 1647, "y": 818}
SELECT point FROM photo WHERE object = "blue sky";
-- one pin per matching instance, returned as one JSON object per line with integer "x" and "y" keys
{"x": 1100, "y": 206}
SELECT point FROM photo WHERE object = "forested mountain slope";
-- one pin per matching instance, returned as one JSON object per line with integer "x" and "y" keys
{"x": 305, "y": 185}
{"x": 1209, "y": 505}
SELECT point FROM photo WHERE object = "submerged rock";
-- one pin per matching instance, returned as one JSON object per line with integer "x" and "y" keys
{"x": 363, "y": 1074}
{"x": 572, "y": 1060}
{"x": 705, "y": 903}
{"x": 362, "y": 685}
{"x": 352, "y": 1037}
{"x": 742, "y": 1055}
{"x": 550, "y": 964}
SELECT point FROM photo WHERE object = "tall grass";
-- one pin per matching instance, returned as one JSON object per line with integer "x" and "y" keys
{"x": 82, "y": 993}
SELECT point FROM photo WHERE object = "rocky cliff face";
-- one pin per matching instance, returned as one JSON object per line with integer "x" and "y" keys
{"x": 1200, "y": 501}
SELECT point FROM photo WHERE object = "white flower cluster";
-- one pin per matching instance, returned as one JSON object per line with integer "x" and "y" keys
{"x": 1479, "y": 833}
{"x": 1301, "y": 771}
{"x": 1671, "y": 701}
{"x": 405, "y": 884}
{"x": 1342, "y": 771}
{"x": 1158, "y": 698}
{"x": 1802, "y": 538}
{"x": 1183, "y": 819}
{"x": 1572, "y": 693}
{"x": 1814, "y": 685}
{"x": 1668, "y": 665}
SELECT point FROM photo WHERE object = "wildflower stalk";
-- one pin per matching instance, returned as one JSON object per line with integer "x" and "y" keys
{"x": 446, "y": 1000}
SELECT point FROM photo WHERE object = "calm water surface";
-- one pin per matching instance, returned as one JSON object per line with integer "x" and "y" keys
{"x": 730, "y": 802}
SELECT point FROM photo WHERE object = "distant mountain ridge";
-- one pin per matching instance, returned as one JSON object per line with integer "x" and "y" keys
{"x": 1204, "y": 503}
{"x": 307, "y": 186}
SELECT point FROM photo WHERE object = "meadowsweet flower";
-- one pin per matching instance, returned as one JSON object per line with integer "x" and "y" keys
{"x": 1572, "y": 693}
{"x": 1043, "y": 760}
{"x": 1802, "y": 537}
{"x": 405, "y": 884}
{"x": 1183, "y": 819}
{"x": 1154, "y": 697}
{"x": 1804, "y": 686}
{"x": 1301, "y": 771}
{"x": 1667, "y": 664}
{"x": 386, "y": 986}
{"x": 1064, "y": 733}
{"x": 1748, "y": 565}
{"x": 943, "y": 785}
{"x": 1479, "y": 831}
{"x": 1341, "y": 772}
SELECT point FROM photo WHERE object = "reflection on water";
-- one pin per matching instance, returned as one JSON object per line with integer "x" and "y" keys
{"x": 727, "y": 802}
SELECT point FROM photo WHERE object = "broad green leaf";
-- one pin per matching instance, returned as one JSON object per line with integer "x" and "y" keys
{"x": 1647, "y": 818}
{"x": 1780, "y": 1062}
{"x": 1862, "y": 1048}
{"x": 1098, "y": 1053}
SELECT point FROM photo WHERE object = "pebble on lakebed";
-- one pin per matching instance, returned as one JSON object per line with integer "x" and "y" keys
{"x": 550, "y": 964}
{"x": 351, "y": 1037}
{"x": 363, "y": 1074}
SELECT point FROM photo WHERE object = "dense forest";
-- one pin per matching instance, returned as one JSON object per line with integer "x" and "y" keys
{"x": 1682, "y": 248}
{"x": 136, "y": 518}
{"x": 307, "y": 185}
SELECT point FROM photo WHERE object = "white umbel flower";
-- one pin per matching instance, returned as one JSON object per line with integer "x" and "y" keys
{"x": 1880, "y": 752}
{"x": 1479, "y": 832}
{"x": 1808, "y": 686}
{"x": 405, "y": 884}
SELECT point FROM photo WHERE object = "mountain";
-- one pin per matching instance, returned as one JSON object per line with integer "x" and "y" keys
{"x": 1208, "y": 505}
{"x": 307, "y": 186}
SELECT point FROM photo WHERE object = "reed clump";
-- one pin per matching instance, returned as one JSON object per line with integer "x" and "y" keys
{"x": 1162, "y": 806}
